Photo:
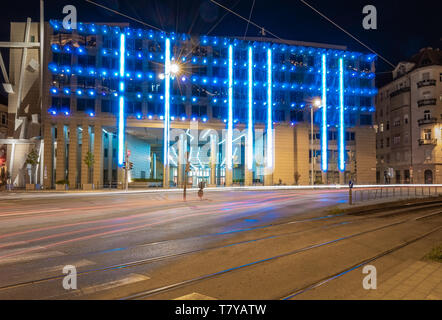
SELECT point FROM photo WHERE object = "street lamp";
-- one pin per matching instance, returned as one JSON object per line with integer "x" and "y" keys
{"x": 174, "y": 68}
{"x": 316, "y": 103}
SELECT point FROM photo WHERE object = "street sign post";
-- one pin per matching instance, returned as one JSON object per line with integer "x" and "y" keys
{"x": 350, "y": 195}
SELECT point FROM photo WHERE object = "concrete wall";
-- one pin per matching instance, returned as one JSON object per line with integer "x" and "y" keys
{"x": 284, "y": 147}
{"x": 365, "y": 155}
{"x": 301, "y": 154}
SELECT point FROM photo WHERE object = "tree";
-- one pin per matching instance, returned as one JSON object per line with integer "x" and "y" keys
{"x": 32, "y": 161}
{"x": 297, "y": 176}
{"x": 89, "y": 161}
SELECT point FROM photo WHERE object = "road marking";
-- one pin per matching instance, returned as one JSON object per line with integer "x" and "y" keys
{"x": 195, "y": 296}
{"x": 30, "y": 256}
{"x": 76, "y": 264}
{"x": 132, "y": 278}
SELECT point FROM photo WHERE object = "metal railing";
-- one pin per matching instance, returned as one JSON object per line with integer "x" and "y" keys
{"x": 426, "y": 83}
{"x": 427, "y": 142}
{"x": 427, "y": 121}
{"x": 426, "y": 102}
{"x": 397, "y": 192}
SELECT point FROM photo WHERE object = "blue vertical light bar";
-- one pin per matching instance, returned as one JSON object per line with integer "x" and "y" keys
{"x": 230, "y": 115}
{"x": 269, "y": 110}
{"x": 167, "y": 102}
{"x": 121, "y": 111}
{"x": 341, "y": 117}
{"x": 250, "y": 120}
{"x": 324, "y": 142}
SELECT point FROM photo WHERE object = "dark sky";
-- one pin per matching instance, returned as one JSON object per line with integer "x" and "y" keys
{"x": 403, "y": 26}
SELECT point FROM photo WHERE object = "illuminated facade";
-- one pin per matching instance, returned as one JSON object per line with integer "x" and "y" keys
{"x": 238, "y": 110}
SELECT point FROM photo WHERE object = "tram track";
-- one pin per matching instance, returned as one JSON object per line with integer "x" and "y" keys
{"x": 131, "y": 264}
{"x": 163, "y": 289}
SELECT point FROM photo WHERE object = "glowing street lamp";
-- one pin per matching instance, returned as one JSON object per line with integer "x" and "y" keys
{"x": 317, "y": 102}
{"x": 174, "y": 68}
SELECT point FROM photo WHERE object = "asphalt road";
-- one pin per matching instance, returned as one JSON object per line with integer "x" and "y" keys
{"x": 230, "y": 245}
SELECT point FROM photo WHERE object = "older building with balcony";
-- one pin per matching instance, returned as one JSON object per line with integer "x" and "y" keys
{"x": 409, "y": 122}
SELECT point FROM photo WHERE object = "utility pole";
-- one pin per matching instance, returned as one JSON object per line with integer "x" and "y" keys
{"x": 186, "y": 171}
{"x": 126, "y": 170}
{"x": 312, "y": 158}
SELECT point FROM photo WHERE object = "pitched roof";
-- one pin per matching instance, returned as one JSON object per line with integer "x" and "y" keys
{"x": 427, "y": 57}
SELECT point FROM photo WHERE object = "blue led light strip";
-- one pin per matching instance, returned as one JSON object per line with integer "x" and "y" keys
{"x": 324, "y": 142}
{"x": 167, "y": 102}
{"x": 230, "y": 115}
{"x": 269, "y": 111}
{"x": 121, "y": 112}
{"x": 250, "y": 120}
{"x": 341, "y": 117}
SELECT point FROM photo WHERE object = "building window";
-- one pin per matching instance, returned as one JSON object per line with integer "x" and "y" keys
{"x": 428, "y": 154}
{"x": 406, "y": 119}
{"x": 366, "y": 119}
{"x": 4, "y": 119}
{"x": 427, "y": 134}
{"x": 87, "y": 105}
{"x": 396, "y": 139}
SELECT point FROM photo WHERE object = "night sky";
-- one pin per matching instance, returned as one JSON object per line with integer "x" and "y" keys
{"x": 403, "y": 26}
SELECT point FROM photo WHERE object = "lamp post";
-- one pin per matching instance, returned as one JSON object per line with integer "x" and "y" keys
{"x": 315, "y": 103}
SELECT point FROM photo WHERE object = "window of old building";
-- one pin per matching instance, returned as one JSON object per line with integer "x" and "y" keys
{"x": 428, "y": 153}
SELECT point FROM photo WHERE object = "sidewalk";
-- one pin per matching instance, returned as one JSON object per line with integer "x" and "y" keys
{"x": 419, "y": 280}
{"x": 18, "y": 194}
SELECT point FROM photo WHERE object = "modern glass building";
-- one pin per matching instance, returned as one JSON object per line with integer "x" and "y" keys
{"x": 239, "y": 111}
